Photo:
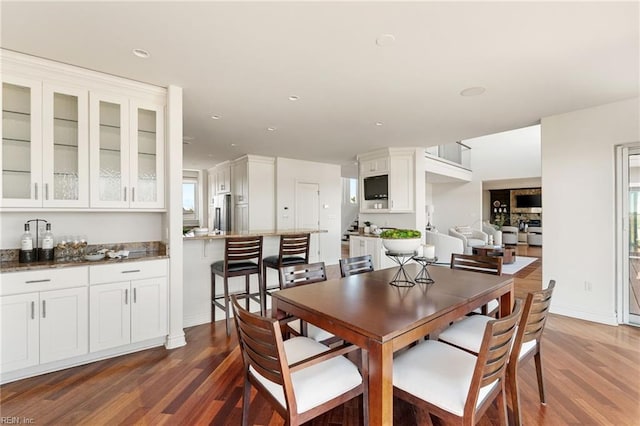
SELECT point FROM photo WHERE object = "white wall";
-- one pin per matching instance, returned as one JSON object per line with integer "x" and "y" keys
{"x": 507, "y": 155}
{"x": 288, "y": 172}
{"x": 578, "y": 180}
{"x": 457, "y": 204}
{"x": 99, "y": 227}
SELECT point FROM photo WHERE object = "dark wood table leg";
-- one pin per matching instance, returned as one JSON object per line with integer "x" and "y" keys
{"x": 506, "y": 301}
{"x": 380, "y": 357}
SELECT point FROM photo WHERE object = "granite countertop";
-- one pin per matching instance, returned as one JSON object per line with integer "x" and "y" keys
{"x": 137, "y": 251}
{"x": 362, "y": 234}
{"x": 264, "y": 233}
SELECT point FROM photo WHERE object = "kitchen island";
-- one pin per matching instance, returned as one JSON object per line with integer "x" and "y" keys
{"x": 201, "y": 251}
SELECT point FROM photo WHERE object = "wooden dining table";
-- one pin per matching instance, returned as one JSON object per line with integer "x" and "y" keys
{"x": 381, "y": 318}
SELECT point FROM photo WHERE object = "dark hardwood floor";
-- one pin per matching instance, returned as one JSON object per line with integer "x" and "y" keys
{"x": 592, "y": 372}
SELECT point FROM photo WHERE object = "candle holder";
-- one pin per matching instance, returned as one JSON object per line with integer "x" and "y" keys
{"x": 423, "y": 276}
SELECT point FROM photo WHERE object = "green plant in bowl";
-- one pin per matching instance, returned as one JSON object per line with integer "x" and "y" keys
{"x": 401, "y": 240}
{"x": 400, "y": 234}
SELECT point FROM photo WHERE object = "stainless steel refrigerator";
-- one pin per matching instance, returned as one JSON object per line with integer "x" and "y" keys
{"x": 222, "y": 212}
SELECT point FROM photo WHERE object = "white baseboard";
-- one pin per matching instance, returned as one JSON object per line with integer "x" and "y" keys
{"x": 196, "y": 319}
{"x": 37, "y": 370}
{"x": 608, "y": 319}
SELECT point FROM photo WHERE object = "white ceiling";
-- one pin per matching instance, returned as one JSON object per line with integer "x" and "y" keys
{"x": 242, "y": 61}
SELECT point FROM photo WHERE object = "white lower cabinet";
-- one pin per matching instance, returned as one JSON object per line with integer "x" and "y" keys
{"x": 63, "y": 324}
{"x": 20, "y": 331}
{"x": 43, "y": 325}
{"x": 130, "y": 311}
{"x": 361, "y": 246}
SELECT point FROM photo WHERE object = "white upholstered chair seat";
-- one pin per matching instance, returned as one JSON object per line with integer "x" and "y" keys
{"x": 438, "y": 373}
{"x": 313, "y": 332}
{"x": 315, "y": 384}
{"x": 467, "y": 333}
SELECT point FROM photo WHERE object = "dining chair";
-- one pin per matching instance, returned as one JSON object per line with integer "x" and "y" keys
{"x": 242, "y": 257}
{"x": 484, "y": 264}
{"x": 299, "y": 377}
{"x": 356, "y": 265}
{"x": 453, "y": 384}
{"x": 296, "y": 275}
{"x": 294, "y": 250}
{"x": 465, "y": 335}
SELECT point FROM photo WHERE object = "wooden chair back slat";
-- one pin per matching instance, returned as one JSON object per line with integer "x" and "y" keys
{"x": 295, "y": 275}
{"x": 260, "y": 340}
{"x": 239, "y": 249}
{"x": 356, "y": 265}
{"x": 295, "y": 245}
{"x": 494, "y": 351}
{"x": 484, "y": 264}
{"x": 534, "y": 318}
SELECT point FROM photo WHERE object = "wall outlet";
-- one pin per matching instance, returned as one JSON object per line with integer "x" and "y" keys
{"x": 588, "y": 286}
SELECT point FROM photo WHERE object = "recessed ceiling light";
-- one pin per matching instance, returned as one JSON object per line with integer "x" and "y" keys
{"x": 294, "y": 98}
{"x": 233, "y": 144}
{"x": 384, "y": 40}
{"x": 215, "y": 117}
{"x": 141, "y": 53}
{"x": 379, "y": 123}
{"x": 473, "y": 91}
{"x": 271, "y": 129}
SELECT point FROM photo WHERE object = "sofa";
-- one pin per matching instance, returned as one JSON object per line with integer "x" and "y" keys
{"x": 509, "y": 235}
{"x": 444, "y": 244}
{"x": 534, "y": 237}
{"x": 491, "y": 231}
{"x": 470, "y": 237}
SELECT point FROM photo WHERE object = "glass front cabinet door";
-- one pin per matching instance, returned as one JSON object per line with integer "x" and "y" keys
{"x": 21, "y": 155}
{"x": 147, "y": 156}
{"x": 127, "y": 153}
{"x": 65, "y": 165}
{"x": 109, "y": 158}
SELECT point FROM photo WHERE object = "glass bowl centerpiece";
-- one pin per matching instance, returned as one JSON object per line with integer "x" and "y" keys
{"x": 401, "y": 240}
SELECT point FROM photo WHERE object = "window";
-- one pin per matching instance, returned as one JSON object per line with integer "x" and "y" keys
{"x": 190, "y": 198}
{"x": 353, "y": 191}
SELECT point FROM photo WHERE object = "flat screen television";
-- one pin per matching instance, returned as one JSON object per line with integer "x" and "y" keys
{"x": 526, "y": 201}
{"x": 376, "y": 187}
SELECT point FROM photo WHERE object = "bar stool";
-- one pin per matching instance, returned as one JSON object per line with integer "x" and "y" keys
{"x": 294, "y": 250}
{"x": 239, "y": 253}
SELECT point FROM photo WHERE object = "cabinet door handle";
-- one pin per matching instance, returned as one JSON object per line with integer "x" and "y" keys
{"x": 133, "y": 194}
{"x": 131, "y": 271}
{"x": 135, "y": 293}
{"x": 35, "y": 186}
{"x": 44, "y": 309}
{"x": 125, "y": 193}
{"x": 38, "y": 281}
{"x": 46, "y": 191}
{"x": 33, "y": 310}
{"x": 126, "y": 297}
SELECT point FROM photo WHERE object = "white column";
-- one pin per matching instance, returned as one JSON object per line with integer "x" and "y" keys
{"x": 173, "y": 218}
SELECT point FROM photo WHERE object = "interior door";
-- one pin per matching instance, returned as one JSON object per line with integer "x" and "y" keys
{"x": 308, "y": 213}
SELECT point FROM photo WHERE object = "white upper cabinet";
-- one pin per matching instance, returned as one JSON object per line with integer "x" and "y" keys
{"x": 376, "y": 166}
{"x": 65, "y": 165}
{"x": 401, "y": 183}
{"x": 77, "y": 139}
{"x": 109, "y": 137}
{"x": 21, "y": 154}
{"x": 45, "y": 151}
{"x": 398, "y": 166}
{"x": 147, "y": 156}
{"x": 127, "y": 153}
